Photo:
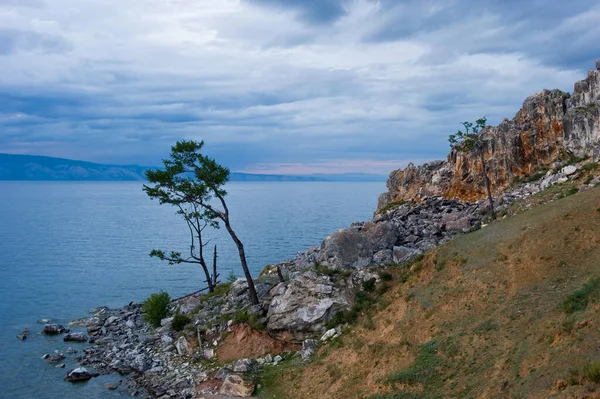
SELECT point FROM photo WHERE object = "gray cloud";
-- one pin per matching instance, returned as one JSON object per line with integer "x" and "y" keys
{"x": 269, "y": 85}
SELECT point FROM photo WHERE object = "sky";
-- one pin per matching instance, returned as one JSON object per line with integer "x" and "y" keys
{"x": 276, "y": 86}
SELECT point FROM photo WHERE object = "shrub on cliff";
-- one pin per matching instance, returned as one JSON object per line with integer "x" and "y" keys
{"x": 156, "y": 308}
{"x": 180, "y": 321}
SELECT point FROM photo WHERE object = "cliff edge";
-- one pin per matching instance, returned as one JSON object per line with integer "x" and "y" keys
{"x": 551, "y": 128}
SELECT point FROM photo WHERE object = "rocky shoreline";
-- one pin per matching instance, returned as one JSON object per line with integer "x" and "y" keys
{"x": 228, "y": 340}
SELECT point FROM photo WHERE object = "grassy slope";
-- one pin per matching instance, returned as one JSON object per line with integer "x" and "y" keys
{"x": 480, "y": 317}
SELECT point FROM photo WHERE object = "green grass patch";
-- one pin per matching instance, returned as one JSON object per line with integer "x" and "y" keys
{"x": 250, "y": 319}
{"x": 423, "y": 370}
{"x": 579, "y": 300}
{"x": 589, "y": 167}
{"x": 390, "y": 206}
{"x": 326, "y": 271}
{"x": 591, "y": 371}
{"x": 220, "y": 289}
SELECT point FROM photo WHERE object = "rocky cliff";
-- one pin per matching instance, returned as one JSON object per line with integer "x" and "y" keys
{"x": 551, "y": 128}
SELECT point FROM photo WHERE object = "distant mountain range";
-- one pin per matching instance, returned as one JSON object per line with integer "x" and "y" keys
{"x": 42, "y": 168}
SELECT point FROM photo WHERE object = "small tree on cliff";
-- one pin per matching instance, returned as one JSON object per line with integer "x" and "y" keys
{"x": 472, "y": 142}
{"x": 191, "y": 182}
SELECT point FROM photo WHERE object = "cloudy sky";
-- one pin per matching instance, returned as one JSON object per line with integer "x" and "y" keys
{"x": 278, "y": 86}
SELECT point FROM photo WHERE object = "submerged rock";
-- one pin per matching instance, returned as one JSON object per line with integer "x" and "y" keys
{"x": 76, "y": 337}
{"x": 79, "y": 374}
{"x": 54, "y": 329}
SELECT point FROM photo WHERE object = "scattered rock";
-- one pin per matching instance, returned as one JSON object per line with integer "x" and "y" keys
{"x": 329, "y": 334}
{"x": 243, "y": 365}
{"x": 402, "y": 254}
{"x": 236, "y": 385}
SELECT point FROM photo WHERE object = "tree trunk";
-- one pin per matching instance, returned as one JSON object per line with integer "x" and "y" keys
{"x": 215, "y": 275}
{"x": 251, "y": 289}
{"x": 488, "y": 187}
{"x": 211, "y": 286}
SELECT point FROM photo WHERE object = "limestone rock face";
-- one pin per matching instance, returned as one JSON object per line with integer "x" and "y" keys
{"x": 551, "y": 126}
{"x": 300, "y": 309}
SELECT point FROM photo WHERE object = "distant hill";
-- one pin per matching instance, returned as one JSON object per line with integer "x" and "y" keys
{"x": 42, "y": 168}
{"x": 35, "y": 167}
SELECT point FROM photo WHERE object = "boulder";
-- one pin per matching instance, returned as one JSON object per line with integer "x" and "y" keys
{"x": 243, "y": 365}
{"x": 309, "y": 348}
{"x": 76, "y": 337}
{"x": 381, "y": 236}
{"x": 189, "y": 304}
{"x": 183, "y": 347}
{"x": 236, "y": 385}
{"x": 53, "y": 329}
{"x": 383, "y": 257}
{"x": 344, "y": 249}
{"x": 54, "y": 358}
{"x": 569, "y": 170}
{"x": 402, "y": 254}
{"x": 299, "y": 310}
{"x": 79, "y": 374}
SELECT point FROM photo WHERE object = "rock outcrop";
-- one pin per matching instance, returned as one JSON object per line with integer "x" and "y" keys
{"x": 551, "y": 127}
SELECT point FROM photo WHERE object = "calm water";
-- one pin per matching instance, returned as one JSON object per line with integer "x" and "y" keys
{"x": 66, "y": 248}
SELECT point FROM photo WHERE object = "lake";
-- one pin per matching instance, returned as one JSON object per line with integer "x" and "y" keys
{"x": 68, "y": 247}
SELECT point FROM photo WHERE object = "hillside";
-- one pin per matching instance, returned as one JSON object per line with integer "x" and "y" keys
{"x": 509, "y": 311}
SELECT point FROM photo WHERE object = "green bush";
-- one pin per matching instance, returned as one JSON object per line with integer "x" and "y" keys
{"x": 156, "y": 308}
{"x": 180, "y": 321}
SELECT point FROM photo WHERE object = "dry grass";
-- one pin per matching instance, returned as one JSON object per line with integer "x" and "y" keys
{"x": 489, "y": 323}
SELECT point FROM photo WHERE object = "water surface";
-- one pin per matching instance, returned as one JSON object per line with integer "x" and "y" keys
{"x": 67, "y": 247}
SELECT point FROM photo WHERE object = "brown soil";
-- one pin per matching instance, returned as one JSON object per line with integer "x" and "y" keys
{"x": 490, "y": 301}
{"x": 245, "y": 342}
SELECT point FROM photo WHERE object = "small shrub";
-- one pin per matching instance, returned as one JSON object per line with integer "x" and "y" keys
{"x": 369, "y": 285}
{"x": 156, "y": 308}
{"x": 250, "y": 319}
{"x": 579, "y": 300}
{"x": 385, "y": 276}
{"x": 326, "y": 271}
{"x": 180, "y": 321}
{"x": 231, "y": 277}
{"x": 591, "y": 371}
